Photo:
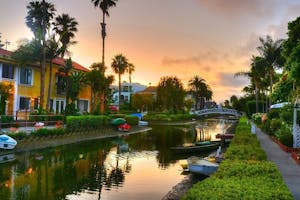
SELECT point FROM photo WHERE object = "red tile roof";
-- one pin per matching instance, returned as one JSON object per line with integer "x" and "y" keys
{"x": 4, "y": 52}
{"x": 58, "y": 61}
{"x": 61, "y": 61}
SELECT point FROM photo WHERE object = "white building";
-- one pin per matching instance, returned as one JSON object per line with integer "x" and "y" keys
{"x": 126, "y": 91}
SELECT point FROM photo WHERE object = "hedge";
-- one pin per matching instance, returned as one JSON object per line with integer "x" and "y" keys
{"x": 244, "y": 174}
{"x": 87, "y": 122}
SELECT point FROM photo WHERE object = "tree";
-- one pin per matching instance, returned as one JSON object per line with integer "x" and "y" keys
{"x": 119, "y": 66}
{"x": 270, "y": 51}
{"x": 4, "y": 94}
{"x": 200, "y": 91}
{"x": 170, "y": 94}
{"x": 291, "y": 52}
{"x": 51, "y": 53}
{"x": 141, "y": 101}
{"x": 39, "y": 15}
{"x": 255, "y": 75}
{"x": 99, "y": 84}
{"x": 65, "y": 70}
{"x": 66, "y": 27}
{"x": 104, "y": 5}
{"x": 130, "y": 69}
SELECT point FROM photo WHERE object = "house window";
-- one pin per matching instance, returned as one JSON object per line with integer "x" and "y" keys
{"x": 24, "y": 103}
{"x": 125, "y": 88}
{"x": 82, "y": 105}
{"x": 8, "y": 71}
{"x": 26, "y": 76}
{"x": 61, "y": 85}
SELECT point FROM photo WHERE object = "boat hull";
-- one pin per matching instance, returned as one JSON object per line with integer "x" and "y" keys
{"x": 195, "y": 148}
{"x": 7, "y": 142}
{"x": 201, "y": 166}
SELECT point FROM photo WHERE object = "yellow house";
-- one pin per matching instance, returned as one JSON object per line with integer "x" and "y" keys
{"x": 25, "y": 82}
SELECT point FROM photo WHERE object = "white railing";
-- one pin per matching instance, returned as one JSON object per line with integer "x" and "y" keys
{"x": 221, "y": 111}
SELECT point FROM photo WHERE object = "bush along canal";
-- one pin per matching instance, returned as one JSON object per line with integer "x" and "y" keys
{"x": 136, "y": 166}
{"x": 245, "y": 173}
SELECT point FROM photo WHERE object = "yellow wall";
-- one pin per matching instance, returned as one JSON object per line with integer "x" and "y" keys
{"x": 33, "y": 91}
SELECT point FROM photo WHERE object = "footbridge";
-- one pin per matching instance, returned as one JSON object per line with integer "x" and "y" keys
{"x": 219, "y": 111}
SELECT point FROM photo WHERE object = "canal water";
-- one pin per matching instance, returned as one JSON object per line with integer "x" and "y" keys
{"x": 139, "y": 166}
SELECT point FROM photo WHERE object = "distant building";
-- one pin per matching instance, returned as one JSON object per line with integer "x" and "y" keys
{"x": 126, "y": 91}
{"x": 150, "y": 90}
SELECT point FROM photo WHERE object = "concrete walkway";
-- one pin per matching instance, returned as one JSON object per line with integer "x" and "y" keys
{"x": 289, "y": 169}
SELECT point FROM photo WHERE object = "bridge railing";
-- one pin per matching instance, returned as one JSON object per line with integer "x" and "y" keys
{"x": 216, "y": 111}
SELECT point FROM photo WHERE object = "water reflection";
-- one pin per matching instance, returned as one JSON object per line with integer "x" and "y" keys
{"x": 139, "y": 166}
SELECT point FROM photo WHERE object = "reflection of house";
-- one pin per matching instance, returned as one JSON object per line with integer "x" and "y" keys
{"x": 126, "y": 91}
{"x": 25, "y": 81}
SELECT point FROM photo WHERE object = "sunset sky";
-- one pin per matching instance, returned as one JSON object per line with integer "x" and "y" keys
{"x": 210, "y": 38}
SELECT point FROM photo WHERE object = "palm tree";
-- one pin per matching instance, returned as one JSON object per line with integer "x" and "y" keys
{"x": 66, "y": 69}
{"x": 119, "y": 66}
{"x": 99, "y": 84}
{"x": 52, "y": 52}
{"x": 65, "y": 26}
{"x": 38, "y": 20}
{"x": 200, "y": 90}
{"x": 104, "y": 5}
{"x": 255, "y": 75}
{"x": 271, "y": 50}
{"x": 130, "y": 69}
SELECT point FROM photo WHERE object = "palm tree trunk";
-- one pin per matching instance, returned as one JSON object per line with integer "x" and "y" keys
{"x": 256, "y": 98}
{"x": 119, "y": 103}
{"x": 103, "y": 34}
{"x": 49, "y": 87}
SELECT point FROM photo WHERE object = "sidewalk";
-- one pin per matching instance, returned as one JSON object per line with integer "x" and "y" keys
{"x": 289, "y": 169}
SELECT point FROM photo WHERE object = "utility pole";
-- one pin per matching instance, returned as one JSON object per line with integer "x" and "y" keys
{"x": 1, "y": 45}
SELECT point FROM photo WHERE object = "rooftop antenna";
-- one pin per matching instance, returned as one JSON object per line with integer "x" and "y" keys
{"x": 6, "y": 43}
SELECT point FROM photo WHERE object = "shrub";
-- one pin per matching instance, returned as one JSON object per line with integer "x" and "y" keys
{"x": 285, "y": 136}
{"x": 87, "y": 122}
{"x": 44, "y": 132}
{"x": 17, "y": 135}
{"x": 256, "y": 117}
{"x": 274, "y": 113}
{"x": 7, "y": 120}
{"x": 275, "y": 124}
{"x": 132, "y": 120}
{"x": 244, "y": 174}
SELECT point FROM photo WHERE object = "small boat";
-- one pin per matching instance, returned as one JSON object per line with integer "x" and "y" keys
{"x": 196, "y": 148}
{"x": 201, "y": 166}
{"x": 118, "y": 121}
{"x": 7, "y": 158}
{"x": 225, "y": 136}
{"x": 143, "y": 123}
{"x": 7, "y": 142}
{"x": 124, "y": 127}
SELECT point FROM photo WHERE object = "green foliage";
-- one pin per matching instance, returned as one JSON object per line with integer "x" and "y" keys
{"x": 118, "y": 115}
{"x": 170, "y": 94}
{"x": 256, "y": 117}
{"x": 132, "y": 120}
{"x": 285, "y": 136}
{"x": 251, "y": 106}
{"x": 141, "y": 101}
{"x": 6, "y": 121}
{"x": 17, "y": 135}
{"x": 4, "y": 94}
{"x": 274, "y": 113}
{"x": 275, "y": 125}
{"x": 244, "y": 174}
{"x": 87, "y": 122}
{"x": 44, "y": 132}
{"x": 167, "y": 117}
{"x": 71, "y": 109}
